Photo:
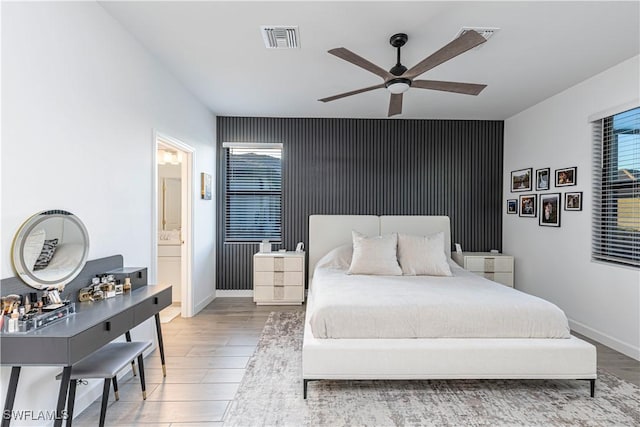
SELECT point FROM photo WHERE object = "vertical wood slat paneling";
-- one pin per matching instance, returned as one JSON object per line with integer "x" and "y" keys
{"x": 373, "y": 167}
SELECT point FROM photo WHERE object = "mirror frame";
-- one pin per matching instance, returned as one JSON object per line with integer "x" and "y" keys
{"x": 23, "y": 272}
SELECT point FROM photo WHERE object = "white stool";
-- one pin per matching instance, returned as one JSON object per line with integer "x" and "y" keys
{"x": 105, "y": 363}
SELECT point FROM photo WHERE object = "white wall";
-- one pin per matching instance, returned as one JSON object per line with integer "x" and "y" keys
{"x": 81, "y": 99}
{"x": 602, "y": 301}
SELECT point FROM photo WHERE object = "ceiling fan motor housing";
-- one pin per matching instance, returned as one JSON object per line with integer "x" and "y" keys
{"x": 398, "y": 70}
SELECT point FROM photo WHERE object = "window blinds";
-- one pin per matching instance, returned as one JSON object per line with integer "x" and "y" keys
{"x": 253, "y": 192}
{"x": 616, "y": 189}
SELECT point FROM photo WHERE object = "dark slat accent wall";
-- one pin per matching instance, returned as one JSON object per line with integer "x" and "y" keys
{"x": 373, "y": 167}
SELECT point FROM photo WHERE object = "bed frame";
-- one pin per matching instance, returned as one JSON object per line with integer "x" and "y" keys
{"x": 436, "y": 358}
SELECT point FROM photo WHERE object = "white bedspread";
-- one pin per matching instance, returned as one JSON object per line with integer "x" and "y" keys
{"x": 462, "y": 306}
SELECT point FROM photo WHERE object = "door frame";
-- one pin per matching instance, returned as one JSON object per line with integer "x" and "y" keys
{"x": 188, "y": 180}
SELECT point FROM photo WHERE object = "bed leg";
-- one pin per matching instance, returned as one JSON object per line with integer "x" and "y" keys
{"x": 304, "y": 388}
{"x": 593, "y": 387}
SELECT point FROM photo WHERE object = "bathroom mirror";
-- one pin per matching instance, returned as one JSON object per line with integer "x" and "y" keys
{"x": 50, "y": 249}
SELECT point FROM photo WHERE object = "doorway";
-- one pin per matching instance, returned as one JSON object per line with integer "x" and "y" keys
{"x": 172, "y": 222}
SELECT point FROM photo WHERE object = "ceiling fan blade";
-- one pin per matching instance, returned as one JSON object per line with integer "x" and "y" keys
{"x": 349, "y": 56}
{"x": 395, "y": 104}
{"x": 467, "y": 41}
{"x": 353, "y": 92}
{"x": 457, "y": 87}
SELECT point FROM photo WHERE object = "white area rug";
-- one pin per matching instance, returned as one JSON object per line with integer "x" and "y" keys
{"x": 271, "y": 394}
{"x": 169, "y": 313}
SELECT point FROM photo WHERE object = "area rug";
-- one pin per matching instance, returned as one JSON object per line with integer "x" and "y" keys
{"x": 271, "y": 394}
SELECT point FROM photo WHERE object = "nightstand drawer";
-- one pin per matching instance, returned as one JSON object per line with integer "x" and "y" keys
{"x": 278, "y": 263}
{"x": 278, "y": 293}
{"x": 493, "y": 266}
{"x": 489, "y": 264}
{"x": 502, "y": 278}
{"x": 284, "y": 278}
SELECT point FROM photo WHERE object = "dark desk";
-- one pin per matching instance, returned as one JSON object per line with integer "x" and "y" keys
{"x": 66, "y": 342}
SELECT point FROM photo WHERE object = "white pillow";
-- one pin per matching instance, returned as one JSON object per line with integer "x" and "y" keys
{"x": 338, "y": 258}
{"x": 32, "y": 247}
{"x": 423, "y": 255}
{"x": 375, "y": 255}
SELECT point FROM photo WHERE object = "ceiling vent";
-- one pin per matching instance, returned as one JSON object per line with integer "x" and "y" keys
{"x": 486, "y": 32}
{"x": 280, "y": 37}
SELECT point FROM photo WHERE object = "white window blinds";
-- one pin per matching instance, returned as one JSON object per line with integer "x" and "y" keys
{"x": 616, "y": 189}
{"x": 253, "y": 192}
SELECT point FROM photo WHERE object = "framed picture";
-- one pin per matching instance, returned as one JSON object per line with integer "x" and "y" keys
{"x": 205, "y": 186}
{"x": 566, "y": 176}
{"x": 528, "y": 205}
{"x": 573, "y": 201}
{"x": 512, "y": 206}
{"x": 521, "y": 180}
{"x": 550, "y": 210}
{"x": 542, "y": 179}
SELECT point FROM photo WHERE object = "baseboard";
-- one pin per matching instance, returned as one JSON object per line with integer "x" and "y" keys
{"x": 225, "y": 293}
{"x": 608, "y": 340}
{"x": 202, "y": 304}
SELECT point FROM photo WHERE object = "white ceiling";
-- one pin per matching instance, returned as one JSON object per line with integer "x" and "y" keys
{"x": 216, "y": 50}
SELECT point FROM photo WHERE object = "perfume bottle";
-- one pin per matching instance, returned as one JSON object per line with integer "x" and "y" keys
{"x": 13, "y": 322}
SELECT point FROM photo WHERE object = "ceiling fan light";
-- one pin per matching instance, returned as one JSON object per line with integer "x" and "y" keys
{"x": 398, "y": 87}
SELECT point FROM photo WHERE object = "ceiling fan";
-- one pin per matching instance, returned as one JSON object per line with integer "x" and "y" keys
{"x": 399, "y": 79}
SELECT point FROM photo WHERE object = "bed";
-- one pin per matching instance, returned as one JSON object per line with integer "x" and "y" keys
{"x": 422, "y": 355}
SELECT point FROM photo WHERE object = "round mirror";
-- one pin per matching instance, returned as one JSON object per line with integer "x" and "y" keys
{"x": 50, "y": 249}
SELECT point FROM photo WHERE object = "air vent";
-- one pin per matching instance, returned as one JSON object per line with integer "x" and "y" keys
{"x": 280, "y": 37}
{"x": 485, "y": 32}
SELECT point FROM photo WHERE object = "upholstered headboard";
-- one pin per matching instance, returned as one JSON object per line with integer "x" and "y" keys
{"x": 327, "y": 232}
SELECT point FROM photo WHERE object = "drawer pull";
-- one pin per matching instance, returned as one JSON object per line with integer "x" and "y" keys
{"x": 155, "y": 300}
{"x": 107, "y": 326}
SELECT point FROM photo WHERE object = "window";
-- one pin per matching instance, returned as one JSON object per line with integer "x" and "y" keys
{"x": 616, "y": 213}
{"x": 253, "y": 192}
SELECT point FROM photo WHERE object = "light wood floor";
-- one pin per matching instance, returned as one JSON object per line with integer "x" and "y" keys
{"x": 206, "y": 359}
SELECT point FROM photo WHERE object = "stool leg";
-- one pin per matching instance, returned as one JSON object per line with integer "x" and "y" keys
{"x": 127, "y": 335}
{"x": 105, "y": 400}
{"x": 141, "y": 366}
{"x": 160, "y": 344}
{"x": 71, "y": 402}
{"x": 114, "y": 380}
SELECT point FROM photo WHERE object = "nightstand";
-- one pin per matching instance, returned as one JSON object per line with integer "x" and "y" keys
{"x": 278, "y": 278}
{"x": 496, "y": 267}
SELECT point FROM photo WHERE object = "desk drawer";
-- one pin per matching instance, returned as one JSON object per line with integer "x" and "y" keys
{"x": 151, "y": 306}
{"x": 95, "y": 337}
